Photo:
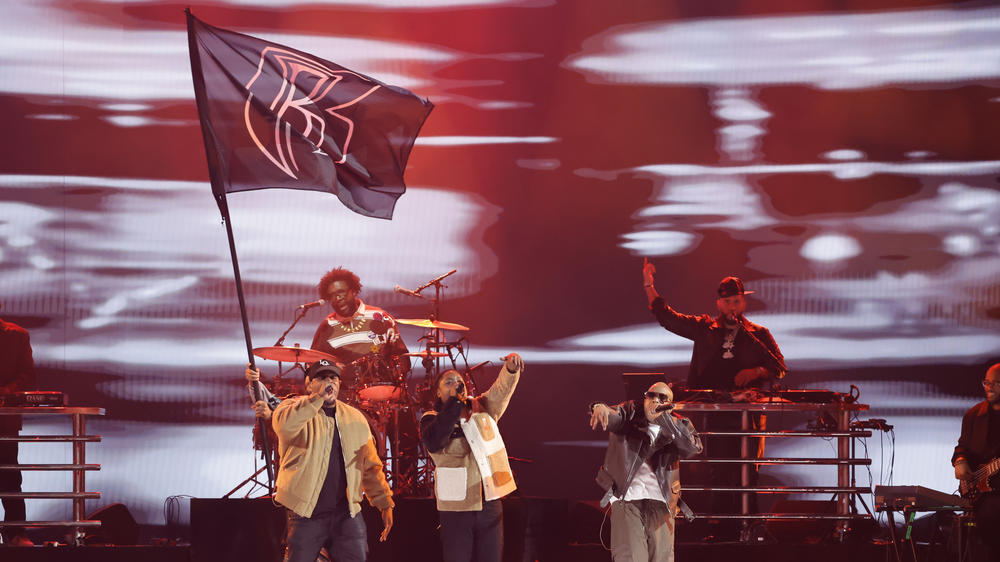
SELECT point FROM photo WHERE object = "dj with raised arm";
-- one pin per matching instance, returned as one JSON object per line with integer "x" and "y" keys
{"x": 328, "y": 463}
{"x": 977, "y": 462}
{"x": 729, "y": 351}
{"x": 471, "y": 471}
{"x": 641, "y": 472}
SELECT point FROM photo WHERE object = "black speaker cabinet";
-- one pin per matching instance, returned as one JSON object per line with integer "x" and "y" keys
{"x": 236, "y": 530}
{"x": 118, "y": 527}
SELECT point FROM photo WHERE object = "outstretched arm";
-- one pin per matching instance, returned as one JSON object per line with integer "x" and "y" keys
{"x": 495, "y": 399}
{"x": 609, "y": 418}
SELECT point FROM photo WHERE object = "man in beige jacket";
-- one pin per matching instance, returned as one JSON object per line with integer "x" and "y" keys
{"x": 328, "y": 459}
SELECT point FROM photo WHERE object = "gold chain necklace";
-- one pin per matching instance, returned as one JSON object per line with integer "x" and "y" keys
{"x": 351, "y": 327}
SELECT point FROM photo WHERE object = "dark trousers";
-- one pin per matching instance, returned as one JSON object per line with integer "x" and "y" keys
{"x": 473, "y": 535}
{"x": 10, "y": 481}
{"x": 344, "y": 537}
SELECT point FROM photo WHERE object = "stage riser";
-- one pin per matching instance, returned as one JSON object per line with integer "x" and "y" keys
{"x": 96, "y": 554}
{"x": 238, "y": 530}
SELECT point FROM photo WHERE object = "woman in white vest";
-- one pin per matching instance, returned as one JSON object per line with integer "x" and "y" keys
{"x": 471, "y": 468}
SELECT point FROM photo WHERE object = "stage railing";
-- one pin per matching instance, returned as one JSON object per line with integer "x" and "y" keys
{"x": 845, "y": 461}
{"x": 78, "y": 467}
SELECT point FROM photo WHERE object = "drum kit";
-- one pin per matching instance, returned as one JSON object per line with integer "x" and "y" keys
{"x": 382, "y": 386}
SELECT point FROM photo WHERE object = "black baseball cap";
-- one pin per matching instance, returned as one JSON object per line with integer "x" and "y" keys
{"x": 731, "y": 286}
{"x": 323, "y": 368}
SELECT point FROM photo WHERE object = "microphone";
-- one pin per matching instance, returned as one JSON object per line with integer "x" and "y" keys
{"x": 665, "y": 407}
{"x": 312, "y": 304}
{"x": 407, "y": 292}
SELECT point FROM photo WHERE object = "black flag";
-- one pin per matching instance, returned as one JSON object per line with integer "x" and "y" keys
{"x": 273, "y": 116}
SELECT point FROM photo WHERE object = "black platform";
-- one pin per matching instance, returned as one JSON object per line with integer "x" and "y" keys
{"x": 96, "y": 554}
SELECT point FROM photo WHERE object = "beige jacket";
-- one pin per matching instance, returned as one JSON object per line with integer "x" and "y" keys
{"x": 305, "y": 437}
{"x": 457, "y": 457}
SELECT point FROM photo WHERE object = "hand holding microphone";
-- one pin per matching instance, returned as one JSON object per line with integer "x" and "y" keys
{"x": 323, "y": 387}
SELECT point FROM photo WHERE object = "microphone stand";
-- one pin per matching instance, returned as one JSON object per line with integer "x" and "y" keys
{"x": 299, "y": 315}
{"x": 438, "y": 333}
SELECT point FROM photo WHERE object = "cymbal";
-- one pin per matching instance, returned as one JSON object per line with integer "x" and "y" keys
{"x": 425, "y": 354}
{"x": 436, "y": 324}
{"x": 292, "y": 354}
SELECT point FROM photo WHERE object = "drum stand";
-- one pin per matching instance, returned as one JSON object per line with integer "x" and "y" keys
{"x": 413, "y": 480}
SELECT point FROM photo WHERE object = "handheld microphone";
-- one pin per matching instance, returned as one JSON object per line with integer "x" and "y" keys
{"x": 312, "y": 304}
{"x": 665, "y": 407}
{"x": 407, "y": 292}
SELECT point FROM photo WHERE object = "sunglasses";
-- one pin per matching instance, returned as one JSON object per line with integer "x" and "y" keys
{"x": 658, "y": 396}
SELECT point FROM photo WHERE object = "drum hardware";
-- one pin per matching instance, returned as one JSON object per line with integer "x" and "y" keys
{"x": 382, "y": 391}
{"x": 426, "y": 353}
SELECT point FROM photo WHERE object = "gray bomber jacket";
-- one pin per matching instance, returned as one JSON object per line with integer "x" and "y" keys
{"x": 629, "y": 446}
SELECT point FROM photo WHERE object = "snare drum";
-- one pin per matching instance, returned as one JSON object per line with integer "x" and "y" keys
{"x": 382, "y": 392}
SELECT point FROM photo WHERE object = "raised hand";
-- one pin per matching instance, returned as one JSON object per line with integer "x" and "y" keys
{"x": 648, "y": 271}
{"x": 513, "y": 363}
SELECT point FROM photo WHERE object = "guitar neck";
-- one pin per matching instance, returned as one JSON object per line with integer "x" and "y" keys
{"x": 987, "y": 470}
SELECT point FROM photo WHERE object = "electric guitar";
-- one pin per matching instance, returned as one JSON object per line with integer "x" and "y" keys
{"x": 980, "y": 481}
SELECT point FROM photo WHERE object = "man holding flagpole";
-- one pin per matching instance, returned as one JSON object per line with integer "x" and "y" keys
{"x": 328, "y": 464}
{"x": 272, "y": 116}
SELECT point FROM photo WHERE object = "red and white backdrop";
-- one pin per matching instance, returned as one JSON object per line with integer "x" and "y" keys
{"x": 842, "y": 161}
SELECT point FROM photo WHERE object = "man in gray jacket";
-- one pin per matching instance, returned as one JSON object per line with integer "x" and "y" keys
{"x": 641, "y": 472}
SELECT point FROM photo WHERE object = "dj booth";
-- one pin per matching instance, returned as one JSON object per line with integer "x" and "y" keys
{"x": 836, "y": 408}
{"x": 49, "y": 404}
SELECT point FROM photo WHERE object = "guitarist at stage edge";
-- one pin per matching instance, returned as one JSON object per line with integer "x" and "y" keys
{"x": 978, "y": 447}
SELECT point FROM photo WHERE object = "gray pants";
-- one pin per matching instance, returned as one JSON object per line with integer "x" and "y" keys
{"x": 641, "y": 530}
